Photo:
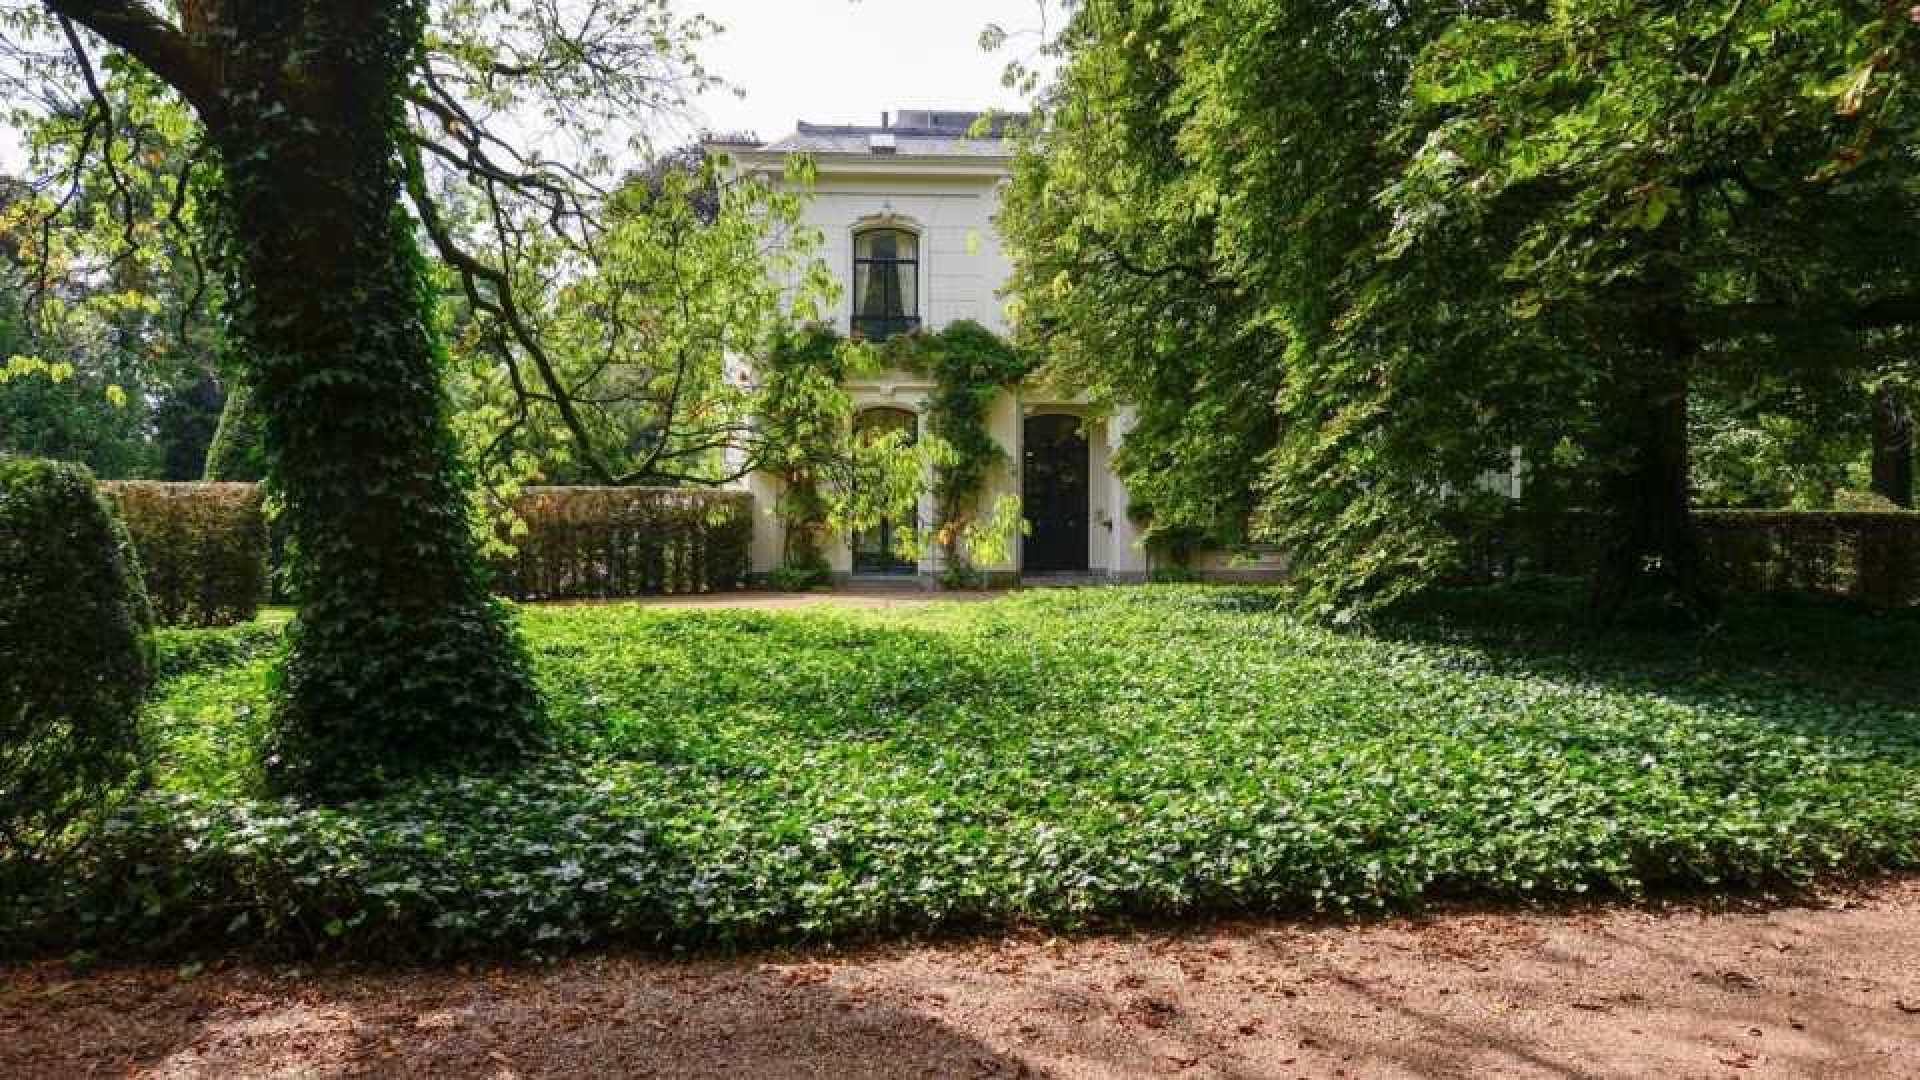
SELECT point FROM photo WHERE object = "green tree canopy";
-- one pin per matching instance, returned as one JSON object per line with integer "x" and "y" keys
{"x": 1447, "y": 235}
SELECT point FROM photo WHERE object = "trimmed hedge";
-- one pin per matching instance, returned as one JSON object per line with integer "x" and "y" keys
{"x": 1868, "y": 557}
{"x": 610, "y": 543}
{"x": 202, "y": 547}
{"x": 73, "y": 662}
{"x": 205, "y": 548}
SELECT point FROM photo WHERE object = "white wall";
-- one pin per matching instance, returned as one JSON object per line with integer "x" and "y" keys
{"x": 963, "y": 268}
{"x": 962, "y": 263}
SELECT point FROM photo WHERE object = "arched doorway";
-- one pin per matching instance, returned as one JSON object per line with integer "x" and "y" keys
{"x": 1055, "y": 495}
{"x": 875, "y": 550}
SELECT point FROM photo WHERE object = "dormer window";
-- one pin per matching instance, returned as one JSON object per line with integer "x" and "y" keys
{"x": 886, "y": 283}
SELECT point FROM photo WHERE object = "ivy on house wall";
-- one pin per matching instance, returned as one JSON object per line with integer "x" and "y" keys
{"x": 804, "y": 412}
{"x": 834, "y": 479}
{"x": 970, "y": 367}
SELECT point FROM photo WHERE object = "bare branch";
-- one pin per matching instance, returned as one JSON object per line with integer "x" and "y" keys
{"x": 103, "y": 108}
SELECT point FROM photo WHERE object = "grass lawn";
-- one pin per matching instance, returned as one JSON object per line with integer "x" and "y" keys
{"x": 1057, "y": 757}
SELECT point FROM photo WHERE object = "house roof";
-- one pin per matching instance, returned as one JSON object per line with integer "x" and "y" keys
{"x": 916, "y": 134}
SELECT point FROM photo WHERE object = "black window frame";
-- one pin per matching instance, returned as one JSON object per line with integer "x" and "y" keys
{"x": 881, "y": 326}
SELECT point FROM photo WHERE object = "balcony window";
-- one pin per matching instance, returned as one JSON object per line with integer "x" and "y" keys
{"x": 886, "y": 283}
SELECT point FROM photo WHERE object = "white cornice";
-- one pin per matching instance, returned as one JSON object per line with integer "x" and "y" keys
{"x": 845, "y": 165}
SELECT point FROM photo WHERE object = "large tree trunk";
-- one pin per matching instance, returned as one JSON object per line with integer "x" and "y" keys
{"x": 401, "y": 663}
{"x": 1892, "y": 446}
{"x": 1651, "y": 569}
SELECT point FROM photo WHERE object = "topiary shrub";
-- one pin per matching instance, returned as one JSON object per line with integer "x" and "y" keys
{"x": 74, "y": 665}
{"x": 202, "y": 547}
{"x": 235, "y": 455}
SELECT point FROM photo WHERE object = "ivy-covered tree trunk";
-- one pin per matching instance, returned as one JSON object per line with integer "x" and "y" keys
{"x": 1892, "y": 447}
{"x": 401, "y": 663}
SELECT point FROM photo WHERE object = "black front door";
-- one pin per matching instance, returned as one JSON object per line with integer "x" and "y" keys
{"x": 1055, "y": 496}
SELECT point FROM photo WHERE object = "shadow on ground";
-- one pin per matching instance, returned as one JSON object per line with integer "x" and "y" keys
{"x": 1832, "y": 990}
{"x": 1544, "y": 628}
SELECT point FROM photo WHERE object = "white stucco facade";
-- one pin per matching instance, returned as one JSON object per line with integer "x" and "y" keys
{"x": 923, "y": 178}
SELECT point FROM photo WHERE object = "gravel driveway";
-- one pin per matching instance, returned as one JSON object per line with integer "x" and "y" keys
{"x": 1827, "y": 988}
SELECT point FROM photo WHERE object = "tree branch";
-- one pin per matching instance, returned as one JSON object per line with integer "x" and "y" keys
{"x": 103, "y": 105}
{"x": 162, "y": 48}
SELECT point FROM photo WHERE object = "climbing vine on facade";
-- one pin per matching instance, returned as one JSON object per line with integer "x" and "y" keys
{"x": 832, "y": 479}
{"x": 970, "y": 366}
{"x": 836, "y": 479}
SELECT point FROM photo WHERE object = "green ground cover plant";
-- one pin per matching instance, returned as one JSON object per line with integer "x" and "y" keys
{"x": 1062, "y": 758}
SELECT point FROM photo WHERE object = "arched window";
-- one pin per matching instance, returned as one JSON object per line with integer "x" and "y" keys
{"x": 886, "y": 283}
{"x": 876, "y": 550}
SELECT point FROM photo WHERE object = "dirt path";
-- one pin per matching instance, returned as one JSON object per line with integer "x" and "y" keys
{"x": 858, "y": 597}
{"x": 1825, "y": 991}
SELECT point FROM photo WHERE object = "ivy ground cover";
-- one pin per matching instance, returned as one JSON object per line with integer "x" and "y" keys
{"x": 1059, "y": 758}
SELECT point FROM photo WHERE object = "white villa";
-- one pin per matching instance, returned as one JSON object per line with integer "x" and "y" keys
{"x": 907, "y": 209}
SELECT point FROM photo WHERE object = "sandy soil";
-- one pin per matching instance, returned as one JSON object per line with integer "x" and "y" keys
{"x": 1827, "y": 989}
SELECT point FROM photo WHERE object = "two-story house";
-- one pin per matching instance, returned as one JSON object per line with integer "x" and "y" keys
{"x": 907, "y": 209}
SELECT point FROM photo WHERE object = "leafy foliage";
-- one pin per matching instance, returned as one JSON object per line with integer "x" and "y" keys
{"x": 181, "y": 650}
{"x": 832, "y": 476}
{"x": 1121, "y": 277}
{"x": 123, "y": 296}
{"x": 74, "y": 667}
{"x": 1053, "y": 757}
{"x": 971, "y": 367}
{"x": 1378, "y": 250}
{"x": 692, "y": 280}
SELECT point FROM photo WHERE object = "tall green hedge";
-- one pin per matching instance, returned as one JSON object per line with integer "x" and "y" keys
{"x": 206, "y": 554}
{"x": 608, "y": 543}
{"x": 202, "y": 547}
{"x": 73, "y": 662}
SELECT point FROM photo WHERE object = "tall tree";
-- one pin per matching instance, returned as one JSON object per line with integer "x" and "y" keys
{"x": 400, "y": 661}
{"x": 1685, "y": 195}
{"x": 1121, "y": 281}
{"x": 322, "y": 123}
{"x": 1461, "y": 231}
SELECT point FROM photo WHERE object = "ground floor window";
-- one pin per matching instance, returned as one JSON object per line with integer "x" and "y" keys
{"x": 875, "y": 550}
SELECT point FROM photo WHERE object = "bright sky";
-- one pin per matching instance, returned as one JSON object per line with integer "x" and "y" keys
{"x": 847, "y": 61}
{"x": 841, "y": 61}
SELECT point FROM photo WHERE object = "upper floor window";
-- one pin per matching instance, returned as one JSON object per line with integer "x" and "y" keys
{"x": 886, "y": 283}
